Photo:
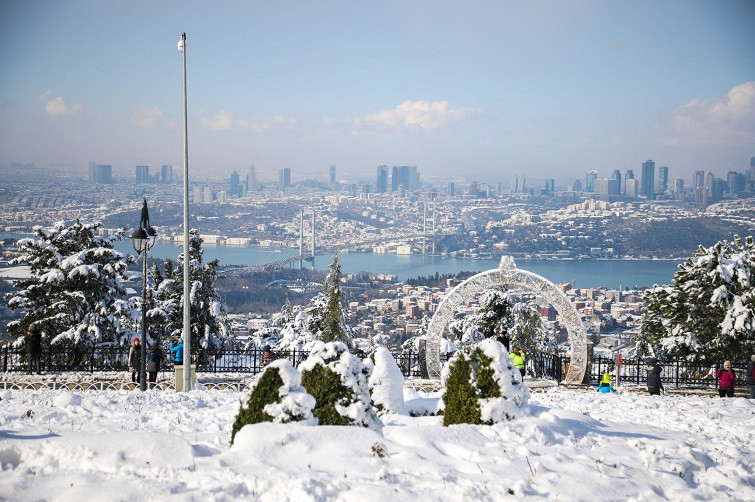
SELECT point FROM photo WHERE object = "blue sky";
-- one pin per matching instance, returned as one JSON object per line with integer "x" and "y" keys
{"x": 480, "y": 89}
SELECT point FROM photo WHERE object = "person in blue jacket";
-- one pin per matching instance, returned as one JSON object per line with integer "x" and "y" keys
{"x": 178, "y": 349}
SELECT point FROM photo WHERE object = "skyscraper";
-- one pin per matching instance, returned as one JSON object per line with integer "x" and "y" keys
{"x": 166, "y": 173}
{"x": 451, "y": 189}
{"x": 474, "y": 189}
{"x": 100, "y": 173}
{"x": 699, "y": 180}
{"x": 251, "y": 180}
{"x": 647, "y": 182}
{"x": 406, "y": 176}
{"x": 235, "y": 183}
{"x": 284, "y": 177}
{"x": 142, "y": 174}
{"x": 381, "y": 184}
{"x": 550, "y": 187}
{"x": 590, "y": 178}
{"x": 617, "y": 176}
{"x": 332, "y": 174}
{"x": 736, "y": 182}
{"x": 662, "y": 184}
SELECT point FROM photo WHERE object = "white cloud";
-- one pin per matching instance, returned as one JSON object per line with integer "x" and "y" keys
{"x": 147, "y": 116}
{"x": 43, "y": 96}
{"x": 723, "y": 120}
{"x": 58, "y": 106}
{"x": 416, "y": 114}
{"x": 226, "y": 121}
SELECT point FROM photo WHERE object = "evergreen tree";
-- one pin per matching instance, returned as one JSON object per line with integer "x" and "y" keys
{"x": 709, "y": 309}
{"x": 75, "y": 294}
{"x": 334, "y": 329}
{"x": 209, "y": 327}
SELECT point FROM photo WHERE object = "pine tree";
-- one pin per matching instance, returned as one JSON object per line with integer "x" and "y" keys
{"x": 209, "y": 327}
{"x": 709, "y": 309}
{"x": 334, "y": 328}
{"x": 75, "y": 294}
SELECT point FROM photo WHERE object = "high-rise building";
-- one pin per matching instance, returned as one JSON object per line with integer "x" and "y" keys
{"x": 606, "y": 186}
{"x": 590, "y": 178}
{"x": 235, "y": 185}
{"x": 284, "y": 177}
{"x": 142, "y": 174}
{"x": 406, "y": 176}
{"x": 662, "y": 183}
{"x": 752, "y": 170}
{"x": 576, "y": 186}
{"x": 617, "y": 176}
{"x": 679, "y": 186}
{"x": 736, "y": 182}
{"x": 647, "y": 182}
{"x": 550, "y": 187}
{"x": 251, "y": 180}
{"x": 701, "y": 196}
{"x": 381, "y": 184}
{"x": 719, "y": 186}
{"x": 699, "y": 180}
{"x": 100, "y": 173}
{"x": 198, "y": 194}
{"x": 709, "y": 179}
{"x": 166, "y": 173}
{"x": 452, "y": 189}
{"x": 332, "y": 174}
{"x": 207, "y": 194}
{"x": 518, "y": 184}
{"x": 630, "y": 187}
{"x": 474, "y": 189}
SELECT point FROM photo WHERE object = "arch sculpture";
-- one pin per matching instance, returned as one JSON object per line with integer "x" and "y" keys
{"x": 507, "y": 275}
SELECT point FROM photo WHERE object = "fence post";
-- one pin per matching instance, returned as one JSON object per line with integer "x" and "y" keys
{"x": 5, "y": 359}
{"x": 637, "y": 374}
{"x": 677, "y": 373}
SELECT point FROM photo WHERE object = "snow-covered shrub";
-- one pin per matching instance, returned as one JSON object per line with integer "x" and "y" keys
{"x": 482, "y": 386}
{"x": 338, "y": 380}
{"x": 386, "y": 383}
{"x": 276, "y": 396}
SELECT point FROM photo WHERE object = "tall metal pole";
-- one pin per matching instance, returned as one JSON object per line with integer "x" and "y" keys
{"x": 187, "y": 286}
{"x": 301, "y": 238}
{"x": 313, "y": 239}
{"x": 143, "y": 363}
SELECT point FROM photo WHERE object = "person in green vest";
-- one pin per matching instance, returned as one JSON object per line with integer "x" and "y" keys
{"x": 518, "y": 357}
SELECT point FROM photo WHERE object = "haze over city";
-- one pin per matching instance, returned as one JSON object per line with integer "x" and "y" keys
{"x": 487, "y": 89}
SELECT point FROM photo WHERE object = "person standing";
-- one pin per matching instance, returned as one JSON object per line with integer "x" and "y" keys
{"x": 153, "y": 363}
{"x": 503, "y": 339}
{"x": 751, "y": 376}
{"x": 725, "y": 378}
{"x": 135, "y": 360}
{"x": 178, "y": 348}
{"x": 34, "y": 348}
{"x": 518, "y": 356}
{"x": 655, "y": 386}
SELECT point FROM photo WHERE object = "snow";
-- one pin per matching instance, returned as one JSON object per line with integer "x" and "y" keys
{"x": 157, "y": 445}
{"x": 387, "y": 383}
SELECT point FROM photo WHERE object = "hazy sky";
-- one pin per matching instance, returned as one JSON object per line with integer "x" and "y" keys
{"x": 488, "y": 89}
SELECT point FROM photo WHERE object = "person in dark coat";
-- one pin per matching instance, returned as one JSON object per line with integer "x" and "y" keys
{"x": 267, "y": 355}
{"x": 135, "y": 360}
{"x": 34, "y": 348}
{"x": 751, "y": 376}
{"x": 655, "y": 386}
{"x": 154, "y": 357}
{"x": 725, "y": 378}
{"x": 503, "y": 339}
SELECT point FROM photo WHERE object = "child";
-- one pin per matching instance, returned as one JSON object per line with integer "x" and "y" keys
{"x": 605, "y": 384}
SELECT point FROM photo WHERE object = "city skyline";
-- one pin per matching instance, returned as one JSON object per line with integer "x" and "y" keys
{"x": 490, "y": 90}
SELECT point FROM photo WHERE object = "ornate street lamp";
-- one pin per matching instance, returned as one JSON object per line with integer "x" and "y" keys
{"x": 143, "y": 238}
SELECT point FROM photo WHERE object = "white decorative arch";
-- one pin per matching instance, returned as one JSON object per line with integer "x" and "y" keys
{"x": 507, "y": 275}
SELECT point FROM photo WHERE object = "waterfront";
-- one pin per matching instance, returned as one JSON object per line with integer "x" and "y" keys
{"x": 582, "y": 273}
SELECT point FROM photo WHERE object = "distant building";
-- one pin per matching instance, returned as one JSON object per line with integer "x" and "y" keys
{"x": 736, "y": 182}
{"x": 752, "y": 170}
{"x": 474, "y": 189}
{"x": 235, "y": 185}
{"x": 699, "y": 180}
{"x": 451, "y": 189}
{"x": 100, "y": 173}
{"x": 198, "y": 194}
{"x": 617, "y": 176}
{"x": 381, "y": 184}
{"x": 518, "y": 184}
{"x": 679, "y": 186}
{"x": 550, "y": 187}
{"x": 332, "y": 174}
{"x": 718, "y": 188}
{"x": 631, "y": 187}
{"x": 576, "y": 186}
{"x": 251, "y": 180}
{"x": 284, "y": 177}
{"x": 662, "y": 183}
{"x": 166, "y": 173}
{"x": 606, "y": 187}
{"x": 207, "y": 197}
{"x": 590, "y": 178}
{"x": 142, "y": 174}
{"x": 647, "y": 182}
{"x": 701, "y": 196}
{"x": 406, "y": 176}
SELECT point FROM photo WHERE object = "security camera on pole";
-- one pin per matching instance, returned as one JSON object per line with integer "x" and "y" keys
{"x": 187, "y": 285}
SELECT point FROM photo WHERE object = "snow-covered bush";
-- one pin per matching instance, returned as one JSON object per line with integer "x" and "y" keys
{"x": 338, "y": 380}
{"x": 276, "y": 396}
{"x": 482, "y": 386}
{"x": 386, "y": 383}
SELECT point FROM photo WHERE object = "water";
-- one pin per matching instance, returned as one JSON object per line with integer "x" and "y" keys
{"x": 583, "y": 273}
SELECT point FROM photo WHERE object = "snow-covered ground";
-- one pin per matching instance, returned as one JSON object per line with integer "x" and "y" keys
{"x": 574, "y": 445}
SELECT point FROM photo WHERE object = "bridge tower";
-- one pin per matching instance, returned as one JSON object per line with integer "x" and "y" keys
{"x": 308, "y": 257}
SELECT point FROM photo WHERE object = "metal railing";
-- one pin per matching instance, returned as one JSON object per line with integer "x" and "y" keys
{"x": 677, "y": 373}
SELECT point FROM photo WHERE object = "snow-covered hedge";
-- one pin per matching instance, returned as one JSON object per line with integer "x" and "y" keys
{"x": 276, "y": 396}
{"x": 338, "y": 380}
{"x": 482, "y": 386}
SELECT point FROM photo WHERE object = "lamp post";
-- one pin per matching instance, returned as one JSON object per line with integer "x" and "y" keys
{"x": 143, "y": 238}
{"x": 187, "y": 286}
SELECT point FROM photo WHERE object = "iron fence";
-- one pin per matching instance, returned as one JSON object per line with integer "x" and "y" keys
{"x": 676, "y": 373}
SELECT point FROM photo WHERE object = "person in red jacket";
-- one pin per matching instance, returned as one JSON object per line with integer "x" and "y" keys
{"x": 725, "y": 378}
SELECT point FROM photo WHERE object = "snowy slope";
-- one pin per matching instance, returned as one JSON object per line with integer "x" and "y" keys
{"x": 58, "y": 445}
